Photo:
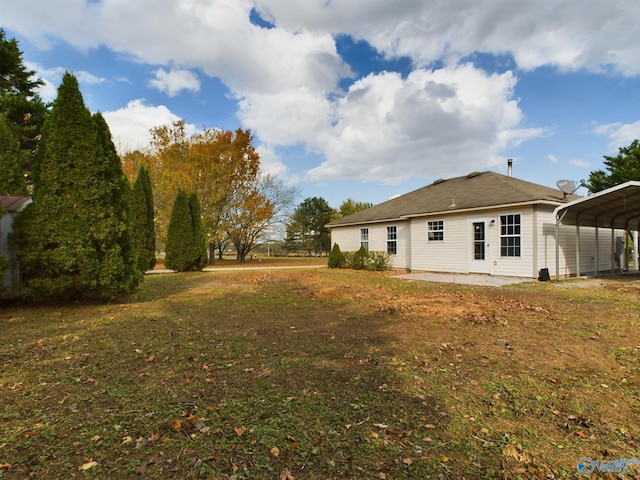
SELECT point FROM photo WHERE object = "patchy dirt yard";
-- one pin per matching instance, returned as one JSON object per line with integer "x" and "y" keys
{"x": 323, "y": 374}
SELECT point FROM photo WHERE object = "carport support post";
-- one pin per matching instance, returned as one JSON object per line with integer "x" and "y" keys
{"x": 577, "y": 248}
{"x": 635, "y": 249}
{"x": 597, "y": 253}
{"x": 558, "y": 220}
{"x": 613, "y": 250}
{"x": 557, "y": 249}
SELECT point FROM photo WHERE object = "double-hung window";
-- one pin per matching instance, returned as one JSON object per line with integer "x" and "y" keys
{"x": 435, "y": 231}
{"x": 510, "y": 235}
{"x": 364, "y": 238}
{"x": 392, "y": 240}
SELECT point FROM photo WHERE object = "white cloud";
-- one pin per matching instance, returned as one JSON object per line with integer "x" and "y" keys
{"x": 52, "y": 77}
{"x": 443, "y": 122}
{"x": 174, "y": 81}
{"x": 130, "y": 125}
{"x": 286, "y": 79}
{"x": 552, "y": 158}
{"x": 571, "y": 34}
{"x": 576, "y": 162}
{"x": 620, "y": 134}
{"x": 270, "y": 164}
{"x": 88, "y": 78}
{"x": 287, "y": 117}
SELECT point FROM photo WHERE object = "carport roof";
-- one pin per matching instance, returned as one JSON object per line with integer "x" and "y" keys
{"x": 617, "y": 207}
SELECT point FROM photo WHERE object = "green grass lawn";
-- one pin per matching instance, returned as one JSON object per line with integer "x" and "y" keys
{"x": 321, "y": 374}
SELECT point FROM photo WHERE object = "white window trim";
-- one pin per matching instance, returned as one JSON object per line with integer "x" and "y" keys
{"x": 364, "y": 242}
{"x": 435, "y": 231}
{"x": 394, "y": 240}
{"x": 501, "y": 236}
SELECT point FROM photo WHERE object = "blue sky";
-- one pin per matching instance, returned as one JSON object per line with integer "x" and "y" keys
{"x": 362, "y": 99}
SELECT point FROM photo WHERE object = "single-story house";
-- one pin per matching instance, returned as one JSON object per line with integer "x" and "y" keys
{"x": 484, "y": 223}
{"x": 10, "y": 205}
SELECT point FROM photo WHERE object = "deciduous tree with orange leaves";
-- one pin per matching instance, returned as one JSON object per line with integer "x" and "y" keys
{"x": 223, "y": 169}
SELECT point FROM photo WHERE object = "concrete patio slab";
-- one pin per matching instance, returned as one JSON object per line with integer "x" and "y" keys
{"x": 465, "y": 279}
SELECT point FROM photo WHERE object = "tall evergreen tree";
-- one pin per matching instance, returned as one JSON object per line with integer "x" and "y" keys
{"x": 186, "y": 248}
{"x": 622, "y": 168}
{"x": 199, "y": 243}
{"x": 75, "y": 240}
{"x": 109, "y": 219}
{"x": 179, "y": 235}
{"x": 11, "y": 177}
{"x": 311, "y": 216}
{"x": 142, "y": 221}
{"x": 24, "y": 109}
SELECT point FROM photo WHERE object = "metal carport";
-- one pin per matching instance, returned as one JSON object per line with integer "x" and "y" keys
{"x": 617, "y": 208}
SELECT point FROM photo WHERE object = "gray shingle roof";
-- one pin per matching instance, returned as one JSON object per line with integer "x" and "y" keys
{"x": 476, "y": 190}
{"x": 13, "y": 203}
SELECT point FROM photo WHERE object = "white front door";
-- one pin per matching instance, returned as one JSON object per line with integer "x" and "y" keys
{"x": 480, "y": 255}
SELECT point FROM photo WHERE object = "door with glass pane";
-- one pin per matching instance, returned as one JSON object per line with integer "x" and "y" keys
{"x": 480, "y": 251}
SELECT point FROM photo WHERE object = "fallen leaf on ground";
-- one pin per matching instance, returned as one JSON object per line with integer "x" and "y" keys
{"x": 87, "y": 466}
{"x": 275, "y": 451}
{"x": 286, "y": 475}
{"x": 240, "y": 430}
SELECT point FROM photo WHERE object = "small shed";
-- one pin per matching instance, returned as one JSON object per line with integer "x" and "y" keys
{"x": 10, "y": 206}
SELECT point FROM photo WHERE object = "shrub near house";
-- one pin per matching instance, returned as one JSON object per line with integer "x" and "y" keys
{"x": 360, "y": 260}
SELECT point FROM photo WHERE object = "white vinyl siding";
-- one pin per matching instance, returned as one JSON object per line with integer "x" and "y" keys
{"x": 547, "y": 247}
{"x": 515, "y": 266}
{"x": 349, "y": 238}
{"x": 537, "y": 244}
{"x": 446, "y": 256}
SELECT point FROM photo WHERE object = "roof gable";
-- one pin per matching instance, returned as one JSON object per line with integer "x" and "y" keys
{"x": 14, "y": 203}
{"x": 476, "y": 190}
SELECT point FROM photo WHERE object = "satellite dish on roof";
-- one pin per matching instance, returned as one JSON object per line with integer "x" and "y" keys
{"x": 566, "y": 186}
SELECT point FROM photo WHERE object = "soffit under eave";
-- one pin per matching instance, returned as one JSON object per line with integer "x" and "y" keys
{"x": 366, "y": 222}
{"x": 449, "y": 212}
{"x": 482, "y": 209}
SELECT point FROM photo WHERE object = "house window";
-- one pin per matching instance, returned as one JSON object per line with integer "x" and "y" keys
{"x": 392, "y": 240}
{"x": 435, "y": 231}
{"x": 364, "y": 238}
{"x": 510, "y": 240}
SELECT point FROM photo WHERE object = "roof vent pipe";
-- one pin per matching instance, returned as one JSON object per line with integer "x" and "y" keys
{"x": 509, "y": 166}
